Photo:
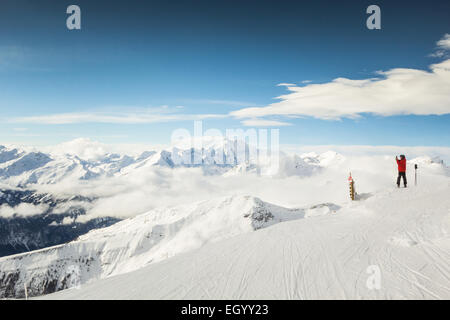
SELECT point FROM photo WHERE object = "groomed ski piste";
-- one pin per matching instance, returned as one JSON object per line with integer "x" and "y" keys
{"x": 400, "y": 235}
{"x": 294, "y": 236}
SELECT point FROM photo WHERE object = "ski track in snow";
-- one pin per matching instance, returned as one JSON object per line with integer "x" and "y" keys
{"x": 324, "y": 257}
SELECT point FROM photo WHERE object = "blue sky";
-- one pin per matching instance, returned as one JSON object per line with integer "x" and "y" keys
{"x": 171, "y": 62}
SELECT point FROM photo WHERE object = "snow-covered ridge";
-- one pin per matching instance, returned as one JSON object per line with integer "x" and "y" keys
{"x": 133, "y": 243}
{"x": 400, "y": 235}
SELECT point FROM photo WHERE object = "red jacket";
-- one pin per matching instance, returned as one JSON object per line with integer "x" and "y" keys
{"x": 401, "y": 165}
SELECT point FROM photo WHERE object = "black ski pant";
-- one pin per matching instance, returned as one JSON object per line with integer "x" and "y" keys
{"x": 401, "y": 175}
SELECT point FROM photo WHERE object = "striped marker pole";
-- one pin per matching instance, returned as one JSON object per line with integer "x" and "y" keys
{"x": 352, "y": 187}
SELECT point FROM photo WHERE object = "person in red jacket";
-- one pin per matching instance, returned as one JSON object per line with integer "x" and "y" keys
{"x": 401, "y": 163}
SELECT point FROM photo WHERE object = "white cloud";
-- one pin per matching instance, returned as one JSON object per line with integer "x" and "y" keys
{"x": 264, "y": 123}
{"x": 129, "y": 116}
{"x": 64, "y": 207}
{"x": 22, "y": 210}
{"x": 88, "y": 149}
{"x": 67, "y": 221}
{"x": 444, "y": 43}
{"x": 132, "y": 116}
{"x": 231, "y": 103}
{"x": 286, "y": 85}
{"x": 396, "y": 92}
{"x": 367, "y": 150}
{"x": 82, "y": 147}
{"x": 443, "y": 47}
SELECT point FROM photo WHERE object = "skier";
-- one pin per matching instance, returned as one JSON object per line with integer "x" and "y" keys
{"x": 401, "y": 163}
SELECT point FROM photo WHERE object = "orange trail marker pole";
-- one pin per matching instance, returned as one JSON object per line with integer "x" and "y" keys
{"x": 352, "y": 187}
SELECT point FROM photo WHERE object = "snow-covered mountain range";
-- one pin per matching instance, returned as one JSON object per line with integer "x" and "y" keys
{"x": 71, "y": 201}
{"x": 33, "y": 218}
{"x": 24, "y": 168}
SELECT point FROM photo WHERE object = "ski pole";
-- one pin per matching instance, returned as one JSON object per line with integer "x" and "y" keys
{"x": 415, "y": 174}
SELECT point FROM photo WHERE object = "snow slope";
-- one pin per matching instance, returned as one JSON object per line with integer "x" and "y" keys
{"x": 133, "y": 243}
{"x": 403, "y": 232}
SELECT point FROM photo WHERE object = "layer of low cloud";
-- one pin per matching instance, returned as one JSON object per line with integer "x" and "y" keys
{"x": 141, "y": 189}
{"x": 22, "y": 210}
{"x": 442, "y": 153}
{"x": 398, "y": 91}
{"x": 145, "y": 188}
